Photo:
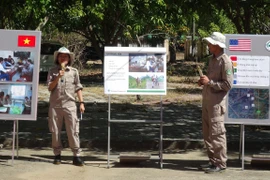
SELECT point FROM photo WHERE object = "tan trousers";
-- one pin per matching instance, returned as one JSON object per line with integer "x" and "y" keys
{"x": 68, "y": 116}
{"x": 214, "y": 133}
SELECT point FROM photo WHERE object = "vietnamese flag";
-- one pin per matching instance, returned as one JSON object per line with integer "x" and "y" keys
{"x": 26, "y": 41}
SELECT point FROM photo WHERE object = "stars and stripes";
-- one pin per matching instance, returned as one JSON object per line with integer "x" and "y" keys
{"x": 240, "y": 45}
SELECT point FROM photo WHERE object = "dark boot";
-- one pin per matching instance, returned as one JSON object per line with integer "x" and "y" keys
{"x": 215, "y": 169}
{"x": 57, "y": 160}
{"x": 77, "y": 161}
{"x": 205, "y": 166}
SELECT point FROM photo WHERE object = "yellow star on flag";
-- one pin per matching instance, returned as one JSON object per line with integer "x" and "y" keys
{"x": 26, "y": 41}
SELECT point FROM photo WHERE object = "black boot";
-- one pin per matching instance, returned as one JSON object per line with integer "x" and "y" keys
{"x": 215, "y": 169}
{"x": 206, "y": 166}
{"x": 57, "y": 160}
{"x": 77, "y": 161}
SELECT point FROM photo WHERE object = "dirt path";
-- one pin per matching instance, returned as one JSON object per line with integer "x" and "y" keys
{"x": 37, "y": 165}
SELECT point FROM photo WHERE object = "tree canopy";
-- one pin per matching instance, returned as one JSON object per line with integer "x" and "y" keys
{"x": 109, "y": 22}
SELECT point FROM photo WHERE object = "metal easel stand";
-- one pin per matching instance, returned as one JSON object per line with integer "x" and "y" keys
{"x": 242, "y": 145}
{"x": 15, "y": 136}
{"x": 136, "y": 121}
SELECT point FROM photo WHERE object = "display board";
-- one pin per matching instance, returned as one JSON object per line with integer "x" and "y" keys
{"x": 19, "y": 74}
{"x": 248, "y": 100}
{"x": 135, "y": 70}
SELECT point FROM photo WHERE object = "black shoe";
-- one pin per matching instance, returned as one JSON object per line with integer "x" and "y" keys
{"x": 57, "y": 160}
{"x": 77, "y": 161}
{"x": 215, "y": 169}
{"x": 205, "y": 166}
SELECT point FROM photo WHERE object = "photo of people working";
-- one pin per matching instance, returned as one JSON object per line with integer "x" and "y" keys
{"x": 15, "y": 99}
{"x": 16, "y": 66}
{"x": 146, "y": 63}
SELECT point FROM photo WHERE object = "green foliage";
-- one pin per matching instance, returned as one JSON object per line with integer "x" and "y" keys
{"x": 218, "y": 23}
{"x": 23, "y": 14}
{"x": 107, "y": 22}
{"x": 248, "y": 16}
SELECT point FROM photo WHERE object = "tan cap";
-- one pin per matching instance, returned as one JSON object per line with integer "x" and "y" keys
{"x": 216, "y": 39}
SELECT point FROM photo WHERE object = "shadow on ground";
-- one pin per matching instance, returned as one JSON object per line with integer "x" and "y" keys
{"x": 181, "y": 129}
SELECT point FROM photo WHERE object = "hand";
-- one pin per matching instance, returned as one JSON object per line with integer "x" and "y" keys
{"x": 61, "y": 73}
{"x": 82, "y": 109}
{"x": 204, "y": 80}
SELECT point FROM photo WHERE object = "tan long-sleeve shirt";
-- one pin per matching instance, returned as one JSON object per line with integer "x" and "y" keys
{"x": 63, "y": 95}
{"x": 220, "y": 74}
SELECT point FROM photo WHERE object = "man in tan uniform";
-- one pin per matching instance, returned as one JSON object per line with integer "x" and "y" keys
{"x": 63, "y": 83}
{"x": 216, "y": 85}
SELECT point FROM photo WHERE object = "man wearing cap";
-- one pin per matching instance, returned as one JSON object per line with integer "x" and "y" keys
{"x": 63, "y": 83}
{"x": 216, "y": 84}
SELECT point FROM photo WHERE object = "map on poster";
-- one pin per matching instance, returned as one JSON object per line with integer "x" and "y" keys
{"x": 248, "y": 103}
{"x": 135, "y": 70}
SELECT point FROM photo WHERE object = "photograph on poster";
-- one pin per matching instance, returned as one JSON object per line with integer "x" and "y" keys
{"x": 248, "y": 103}
{"x": 15, "y": 99}
{"x": 16, "y": 66}
{"x": 146, "y": 62}
{"x": 146, "y": 81}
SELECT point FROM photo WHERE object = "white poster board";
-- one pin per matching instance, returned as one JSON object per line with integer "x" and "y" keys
{"x": 248, "y": 100}
{"x": 135, "y": 70}
{"x": 19, "y": 68}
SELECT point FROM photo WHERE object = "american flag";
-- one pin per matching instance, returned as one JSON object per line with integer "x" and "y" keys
{"x": 240, "y": 45}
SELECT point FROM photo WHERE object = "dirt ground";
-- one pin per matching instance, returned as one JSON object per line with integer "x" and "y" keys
{"x": 37, "y": 165}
